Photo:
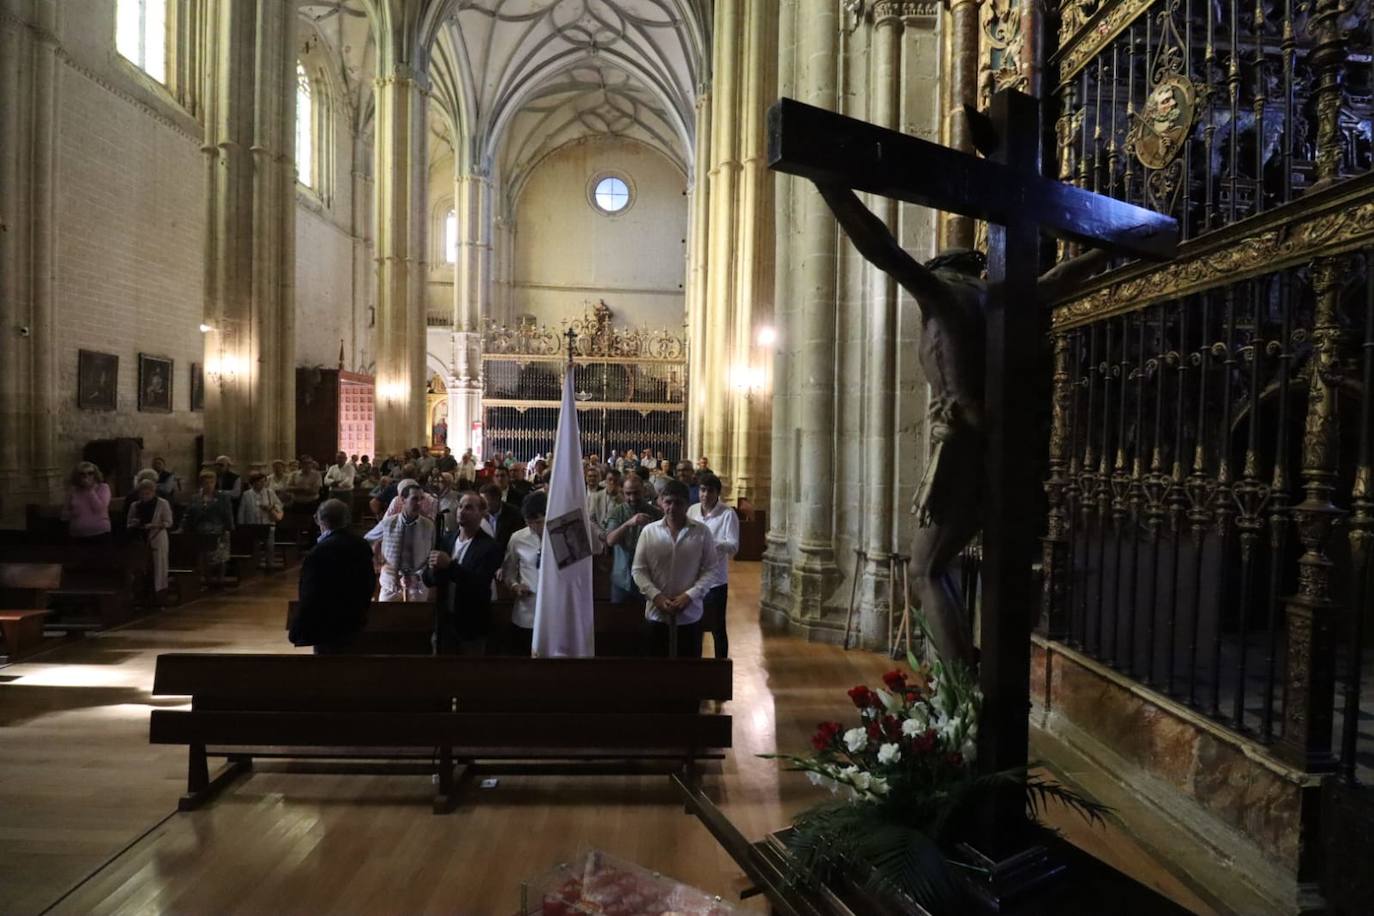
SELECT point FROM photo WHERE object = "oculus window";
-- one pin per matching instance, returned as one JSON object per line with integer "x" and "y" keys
{"x": 611, "y": 193}
{"x": 305, "y": 126}
{"x": 141, "y": 35}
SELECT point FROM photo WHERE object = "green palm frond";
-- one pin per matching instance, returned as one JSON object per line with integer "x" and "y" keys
{"x": 888, "y": 855}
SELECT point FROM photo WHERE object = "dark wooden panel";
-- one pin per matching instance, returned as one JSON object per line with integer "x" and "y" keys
{"x": 476, "y": 680}
{"x": 462, "y": 731}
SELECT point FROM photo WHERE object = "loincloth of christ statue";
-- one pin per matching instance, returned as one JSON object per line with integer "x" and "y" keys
{"x": 952, "y": 294}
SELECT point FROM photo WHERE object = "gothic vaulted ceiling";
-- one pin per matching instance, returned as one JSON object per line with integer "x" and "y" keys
{"x": 524, "y": 77}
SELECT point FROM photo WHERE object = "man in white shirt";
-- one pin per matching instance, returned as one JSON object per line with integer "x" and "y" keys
{"x": 404, "y": 542}
{"x": 724, "y": 525}
{"x": 339, "y": 477}
{"x": 674, "y": 567}
{"x": 520, "y": 572}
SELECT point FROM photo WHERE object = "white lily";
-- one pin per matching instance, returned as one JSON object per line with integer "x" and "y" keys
{"x": 856, "y": 739}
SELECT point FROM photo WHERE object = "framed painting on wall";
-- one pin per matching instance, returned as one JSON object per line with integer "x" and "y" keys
{"x": 197, "y": 386}
{"x": 154, "y": 383}
{"x": 97, "y": 380}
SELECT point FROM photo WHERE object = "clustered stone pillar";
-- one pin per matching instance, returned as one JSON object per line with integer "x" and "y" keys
{"x": 400, "y": 249}
{"x": 28, "y": 109}
{"x": 250, "y": 347}
{"x": 730, "y": 272}
{"x": 881, "y": 359}
{"x": 958, "y": 231}
{"x": 724, "y": 172}
{"x": 777, "y": 558}
{"x": 697, "y": 275}
{"x": 754, "y": 234}
{"x": 472, "y": 195}
{"x": 814, "y": 262}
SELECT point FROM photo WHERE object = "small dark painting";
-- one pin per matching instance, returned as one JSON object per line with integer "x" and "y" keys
{"x": 197, "y": 386}
{"x": 97, "y": 380}
{"x": 154, "y": 383}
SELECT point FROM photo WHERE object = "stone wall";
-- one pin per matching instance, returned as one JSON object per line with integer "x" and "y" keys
{"x": 567, "y": 252}
{"x": 130, "y": 222}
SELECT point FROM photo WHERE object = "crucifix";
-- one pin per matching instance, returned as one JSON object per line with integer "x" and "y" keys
{"x": 982, "y": 344}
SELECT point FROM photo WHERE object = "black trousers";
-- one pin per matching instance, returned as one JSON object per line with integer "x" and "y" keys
{"x": 713, "y": 607}
{"x": 520, "y": 641}
{"x": 688, "y": 639}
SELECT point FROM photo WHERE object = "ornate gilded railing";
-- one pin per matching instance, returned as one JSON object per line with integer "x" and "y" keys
{"x": 631, "y": 386}
{"x": 1213, "y": 110}
{"x": 1211, "y": 517}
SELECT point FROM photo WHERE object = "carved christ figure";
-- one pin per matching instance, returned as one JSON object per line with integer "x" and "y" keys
{"x": 952, "y": 294}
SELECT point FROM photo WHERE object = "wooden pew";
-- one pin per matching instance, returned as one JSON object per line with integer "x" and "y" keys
{"x": 554, "y": 715}
{"x": 26, "y": 585}
{"x": 98, "y": 581}
{"x": 22, "y": 631}
{"x": 391, "y": 628}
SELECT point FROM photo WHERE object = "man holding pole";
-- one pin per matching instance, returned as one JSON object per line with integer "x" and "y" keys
{"x": 674, "y": 567}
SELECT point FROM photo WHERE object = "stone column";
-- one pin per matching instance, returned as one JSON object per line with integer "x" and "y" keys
{"x": 399, "y": 173}
{"x": 698, "y": 273}
{"x": 777, "y": 558}
{"x": 962, "y": 75}
{"x": 719, "y": 356}
{"x": 28, "y": 134}
{"x": 881, "y": 359}
{"x": 754, "y": 251}
{"x": 472, "y": 196}
{"x": 814, "y": 566}
{"x": 250, "y": 349}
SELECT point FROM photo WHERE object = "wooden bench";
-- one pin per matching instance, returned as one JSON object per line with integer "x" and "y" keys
{"x": 22, "y": 631}
{"x": 97, "y": 581}
{"x": 26, "y": 585}
{"x": 563, "y": 715}
{"x": 391, "y": 628}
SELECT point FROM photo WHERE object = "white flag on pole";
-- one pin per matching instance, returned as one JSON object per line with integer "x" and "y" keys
{"x": 564, "y": 625}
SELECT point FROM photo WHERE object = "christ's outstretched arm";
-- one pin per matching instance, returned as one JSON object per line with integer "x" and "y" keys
{"x": 878, "y": 246}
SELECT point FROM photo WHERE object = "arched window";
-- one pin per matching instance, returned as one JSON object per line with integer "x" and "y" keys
{"x": 305, "y": 129}
{"x": 141, "y": 35}
{"x": 451, "y": 238}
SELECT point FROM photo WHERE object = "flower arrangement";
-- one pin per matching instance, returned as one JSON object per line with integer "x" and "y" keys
{"x": 907, "y": 788}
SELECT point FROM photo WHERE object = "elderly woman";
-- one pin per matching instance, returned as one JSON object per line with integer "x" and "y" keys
{"x": 260, "y": 506}
{"x": 152, "y": 515}
{"x": 87, "y": 511}
{"x": 210, "y": 516}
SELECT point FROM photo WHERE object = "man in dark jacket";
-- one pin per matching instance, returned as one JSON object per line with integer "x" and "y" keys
{"x": 336, "y": 584}
{"x": 462, "y": 569}
{"x": 501, "y": 518}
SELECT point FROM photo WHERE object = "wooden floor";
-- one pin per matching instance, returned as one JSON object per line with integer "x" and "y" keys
{"x": 87, "y": 806}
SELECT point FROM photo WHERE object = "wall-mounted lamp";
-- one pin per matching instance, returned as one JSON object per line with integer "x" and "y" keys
{"x": 766, "y": 336}
{"x": 206, "y": 328}
{"x": 747, "y": 380}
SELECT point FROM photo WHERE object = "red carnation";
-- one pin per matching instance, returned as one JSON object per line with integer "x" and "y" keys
{"x": 874, "y": 731}
{"x": 912, "y": 697}
{"x": 892, "y": 726}
{"x": 895, "y": 680}
{"x": 825, "y": 735}
{"x": 925, "y": 742}
{"x": 859, "y": 695}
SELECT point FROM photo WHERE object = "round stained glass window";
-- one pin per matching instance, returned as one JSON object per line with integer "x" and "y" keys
{"x": 611, "y": 194}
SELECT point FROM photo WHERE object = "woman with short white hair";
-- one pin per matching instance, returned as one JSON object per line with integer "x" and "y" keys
{"x": 152, "y": 515}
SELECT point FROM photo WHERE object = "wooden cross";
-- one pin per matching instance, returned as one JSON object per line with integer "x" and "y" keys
{"x": 1009, "y": 192}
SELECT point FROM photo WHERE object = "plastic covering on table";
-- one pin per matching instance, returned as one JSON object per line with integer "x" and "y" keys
{"x": 599, "y": 884}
